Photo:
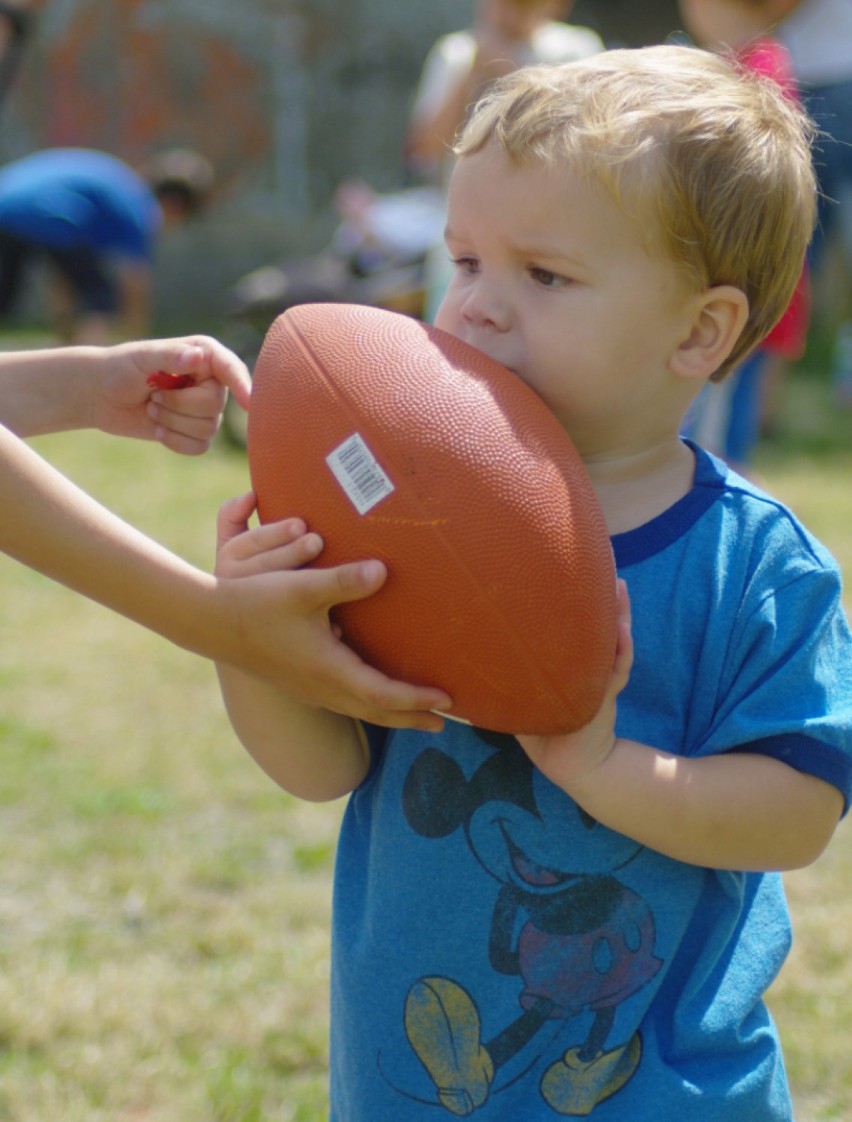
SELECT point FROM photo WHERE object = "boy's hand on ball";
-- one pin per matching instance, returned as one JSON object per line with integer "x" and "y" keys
{"x": 571, "y": 757}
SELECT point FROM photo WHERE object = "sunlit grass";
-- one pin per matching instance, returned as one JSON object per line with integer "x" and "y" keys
{"x": 809, "y": 465}
{"x": 165, "y": 908}
{"x": 164, "y": 914}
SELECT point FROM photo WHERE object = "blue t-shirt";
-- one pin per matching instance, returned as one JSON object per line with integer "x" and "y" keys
{"x": 64, "y": 198}
{"x": 498, "y": 953}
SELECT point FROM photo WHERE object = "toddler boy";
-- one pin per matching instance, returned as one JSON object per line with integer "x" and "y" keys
{"x": 585, "y": 925}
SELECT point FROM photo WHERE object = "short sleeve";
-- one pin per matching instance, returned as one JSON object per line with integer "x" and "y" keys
{"x": 788, "y": 692}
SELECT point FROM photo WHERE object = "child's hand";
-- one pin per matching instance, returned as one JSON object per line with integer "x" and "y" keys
{"x": 565, "y": 759}
{"x": 285, "y": 613}
{"x": 248, "y": 552}
{"x": 128, "y": 401}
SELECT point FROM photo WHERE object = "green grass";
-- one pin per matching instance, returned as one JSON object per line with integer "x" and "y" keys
{"x": 164, "y": 912}
{"x": 165, "y": 908}
{"x": 808, "y": 463}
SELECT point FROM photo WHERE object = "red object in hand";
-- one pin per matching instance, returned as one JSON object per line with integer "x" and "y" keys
{"x": 162, "y": 380}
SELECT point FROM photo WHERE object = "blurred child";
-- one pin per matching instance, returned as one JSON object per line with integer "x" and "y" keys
{"x": 818, "y": 35}
{"x": 506, "y": 34}
{"x": 585, "y": 925}
{"x": 729, "y": 419}
{"x": 96, "y": 221}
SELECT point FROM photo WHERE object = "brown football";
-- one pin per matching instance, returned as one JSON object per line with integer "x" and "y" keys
{"x": 393, "y": 439}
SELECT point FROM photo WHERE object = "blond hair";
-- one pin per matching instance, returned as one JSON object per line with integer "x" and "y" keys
{"x": 712, "y": 161}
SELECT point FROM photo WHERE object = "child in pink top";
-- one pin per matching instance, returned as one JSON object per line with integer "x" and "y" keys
{"x": 727, "y": 419}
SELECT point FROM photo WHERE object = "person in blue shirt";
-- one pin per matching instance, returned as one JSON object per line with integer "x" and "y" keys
{"x": 96, "y": 221}
{"x": 586, "y": 925}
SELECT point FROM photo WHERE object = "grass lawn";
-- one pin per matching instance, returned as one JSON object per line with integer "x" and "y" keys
{"x": 164, "y": 910}
{"x": 809, "y": 465}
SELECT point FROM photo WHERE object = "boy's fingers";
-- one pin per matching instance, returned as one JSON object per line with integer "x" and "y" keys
{"x": 624, "y": 608}
{"x": 624, "y": 647}
{"x": 277, "y": 548}
{"x": 319, "y": 588}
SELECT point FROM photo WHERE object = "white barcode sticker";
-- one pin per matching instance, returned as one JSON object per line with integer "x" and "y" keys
{"x": 358, "y": 472}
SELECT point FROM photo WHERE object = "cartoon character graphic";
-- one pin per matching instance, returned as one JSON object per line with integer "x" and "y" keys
{"x": 579, "y": 941}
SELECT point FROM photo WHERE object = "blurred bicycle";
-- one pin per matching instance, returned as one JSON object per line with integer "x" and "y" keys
{"x": 377, "y": 257}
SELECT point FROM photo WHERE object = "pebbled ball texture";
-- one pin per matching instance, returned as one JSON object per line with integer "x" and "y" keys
{"x": 501, "y": 585}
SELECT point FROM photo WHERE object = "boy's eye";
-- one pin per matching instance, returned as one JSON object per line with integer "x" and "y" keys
{"x": 466, "y": 264}
{"x": 547, "y": 279}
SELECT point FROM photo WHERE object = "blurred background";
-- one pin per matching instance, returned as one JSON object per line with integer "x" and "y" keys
{"x": 286, "y": 98}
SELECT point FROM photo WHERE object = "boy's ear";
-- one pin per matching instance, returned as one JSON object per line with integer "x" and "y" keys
{"x": 720, "y": 316}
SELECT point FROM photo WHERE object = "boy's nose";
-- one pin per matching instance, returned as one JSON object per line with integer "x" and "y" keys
{"x": 485, "y": 307}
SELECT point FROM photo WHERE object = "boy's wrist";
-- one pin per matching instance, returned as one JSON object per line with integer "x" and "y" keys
{"x": 575, "y": 765}
{"x": 587, "y": 776}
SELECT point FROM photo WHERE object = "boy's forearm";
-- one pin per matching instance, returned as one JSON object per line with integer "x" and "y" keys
{"x": 312, "y": 753}
{"x": 733, "y": 811}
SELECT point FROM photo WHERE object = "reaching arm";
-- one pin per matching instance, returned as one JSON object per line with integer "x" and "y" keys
{"x": 732, "y": 811}
{"x": 47, "y": 523}
{"x": 52, "y": 526}
{"x": 107, "y": 388}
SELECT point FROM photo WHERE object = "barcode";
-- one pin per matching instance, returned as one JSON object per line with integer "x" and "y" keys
{"x": 357, "y": 471}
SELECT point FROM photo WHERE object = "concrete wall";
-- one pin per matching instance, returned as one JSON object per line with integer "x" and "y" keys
{"x": 286, "y": 97}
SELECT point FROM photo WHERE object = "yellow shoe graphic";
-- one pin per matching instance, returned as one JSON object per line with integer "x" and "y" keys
{"x": 575, "y": 1087}
{"x": 443, "y": 1028}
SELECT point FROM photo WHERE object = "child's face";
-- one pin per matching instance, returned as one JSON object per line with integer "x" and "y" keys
{"x": 553, "y": 280}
